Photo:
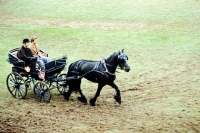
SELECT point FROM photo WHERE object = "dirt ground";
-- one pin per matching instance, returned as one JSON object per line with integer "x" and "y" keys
{"x": 162, "y": 98}
{"x": 167, "y": 104}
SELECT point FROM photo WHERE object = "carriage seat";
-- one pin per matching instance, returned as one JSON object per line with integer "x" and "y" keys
{"x": 13, "y": 59}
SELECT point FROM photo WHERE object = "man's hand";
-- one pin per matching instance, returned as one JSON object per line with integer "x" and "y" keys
{"x": 27, "y": 69}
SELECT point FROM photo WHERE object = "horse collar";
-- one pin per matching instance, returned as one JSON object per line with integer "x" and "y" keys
{"x": 105, "y": 66}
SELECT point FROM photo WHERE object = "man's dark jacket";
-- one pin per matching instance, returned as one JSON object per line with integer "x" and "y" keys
{"x": 25, "y": 54}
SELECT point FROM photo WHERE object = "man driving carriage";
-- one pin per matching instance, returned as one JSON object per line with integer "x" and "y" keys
{"x": 26, "y": 55}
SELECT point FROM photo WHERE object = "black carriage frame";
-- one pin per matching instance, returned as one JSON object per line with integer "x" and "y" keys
{"x": 19, "y": 80}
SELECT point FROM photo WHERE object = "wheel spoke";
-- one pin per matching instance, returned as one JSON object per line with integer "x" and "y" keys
{"x": 46, "y": 97}
{"x": 13, "y": 78}
{"x": 15, "y": 92}
{"x": 20, "y": 81}
{"x": 21, "y": 90}
{"x": 19, "y": 94}
{"x": 37, "y": 93}
{"x": 62, "y": 85}
{"x": 12, "y": 87}
{"x": 42, "y": 92}
{"x": 15, "y": 83}
{"x": 40, "y": 98}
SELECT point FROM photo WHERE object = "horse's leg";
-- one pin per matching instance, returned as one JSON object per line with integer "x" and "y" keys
{"x": 67, "y": 94}
{"x": 82, "y": 98}
{"x": 117, "y": 97}
{"x": 72, "y": 86}
{"x": 93, "y": 100}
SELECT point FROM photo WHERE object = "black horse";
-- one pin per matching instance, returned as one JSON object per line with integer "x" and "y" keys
{"x": 101, "y": 72}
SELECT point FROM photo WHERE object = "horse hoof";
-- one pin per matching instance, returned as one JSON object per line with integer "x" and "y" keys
{"x": 82, "y": 99}
{"x": 117, "y": 99}
{"x": 92, "y": 103}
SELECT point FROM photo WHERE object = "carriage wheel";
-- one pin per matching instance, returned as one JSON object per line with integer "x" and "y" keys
{"x": 16, "y": 85}
{"x": 62, "y": 86}
{"x": 42, "y": 92}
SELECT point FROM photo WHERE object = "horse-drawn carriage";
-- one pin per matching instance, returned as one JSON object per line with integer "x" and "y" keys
{"x": 101, "y": 72}
{"x": 19, "y": 80}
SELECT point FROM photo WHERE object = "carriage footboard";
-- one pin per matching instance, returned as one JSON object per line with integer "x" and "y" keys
{"x": 55, "y": 66}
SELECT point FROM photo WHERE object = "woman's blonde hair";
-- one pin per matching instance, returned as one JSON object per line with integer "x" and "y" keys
{"x": 33, "y": 38}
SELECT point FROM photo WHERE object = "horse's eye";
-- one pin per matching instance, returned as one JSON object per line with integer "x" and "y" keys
{"x": 121, "y": 60}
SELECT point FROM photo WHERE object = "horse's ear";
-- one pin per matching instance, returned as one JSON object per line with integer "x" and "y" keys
{"x": 122, "y": 50}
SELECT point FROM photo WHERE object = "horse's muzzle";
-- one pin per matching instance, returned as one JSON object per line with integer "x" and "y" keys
{"x": 127, "y": 68}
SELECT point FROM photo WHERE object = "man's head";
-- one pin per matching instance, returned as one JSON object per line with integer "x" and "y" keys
{"x": 34, "y": 39}
{"x": 26, "y": 42}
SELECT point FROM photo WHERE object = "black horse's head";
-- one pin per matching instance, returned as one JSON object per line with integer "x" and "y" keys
{"x": 122, "y": 61}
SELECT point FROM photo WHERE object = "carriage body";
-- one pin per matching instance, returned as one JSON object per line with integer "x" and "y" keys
{"x": 19, "y": 80}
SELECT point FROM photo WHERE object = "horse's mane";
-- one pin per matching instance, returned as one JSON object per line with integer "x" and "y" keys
{"x": 87, "y": 60}
{"x": 111, "y": 56}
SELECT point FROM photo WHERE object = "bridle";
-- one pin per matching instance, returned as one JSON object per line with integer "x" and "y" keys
{"x": 122, "y": 58}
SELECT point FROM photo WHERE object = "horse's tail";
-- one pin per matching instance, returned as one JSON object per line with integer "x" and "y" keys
{"x": 73, "y": 72}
